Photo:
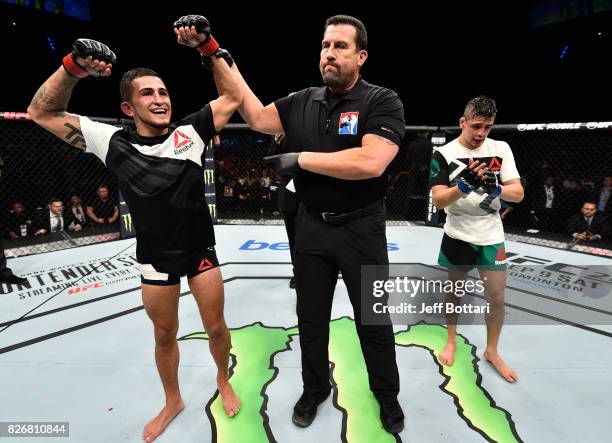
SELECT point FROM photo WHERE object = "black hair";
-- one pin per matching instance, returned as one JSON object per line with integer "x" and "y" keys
{"x": 361, "y": 37}
{"x": 480, "y": 106}
{"x": 125, "y": 86}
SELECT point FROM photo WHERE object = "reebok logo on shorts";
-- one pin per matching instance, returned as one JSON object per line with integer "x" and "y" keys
{"x": 205, "y": 264}
{"x": 500, "y": 259}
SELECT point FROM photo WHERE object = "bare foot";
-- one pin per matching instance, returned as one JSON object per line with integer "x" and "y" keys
{"x": 500, "y": 366}
{"x": 447, "y": 356}
{"x": 155, "y": 427}
{"x": 231, "y": 402}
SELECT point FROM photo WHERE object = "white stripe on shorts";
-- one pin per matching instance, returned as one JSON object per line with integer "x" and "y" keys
{"x": 148, "y": 272}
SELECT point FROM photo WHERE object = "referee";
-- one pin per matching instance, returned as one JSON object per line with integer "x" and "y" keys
{"x": 340, "y": 140}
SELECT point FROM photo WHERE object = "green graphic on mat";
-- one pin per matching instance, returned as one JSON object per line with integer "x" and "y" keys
{"x": 354, "y": 395}
{"x": 255, "y": 346}
{"x": 462, "y": 382}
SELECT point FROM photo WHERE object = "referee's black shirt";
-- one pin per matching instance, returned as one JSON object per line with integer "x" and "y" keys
{"x": 316, "y": 120}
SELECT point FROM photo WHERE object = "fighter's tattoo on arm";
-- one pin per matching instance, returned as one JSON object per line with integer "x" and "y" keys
{"x": 47, "y": 103}
{"x": 74, "y": 136}
{"x": 54, "y": 94}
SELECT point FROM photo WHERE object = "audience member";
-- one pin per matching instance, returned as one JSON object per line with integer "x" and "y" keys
{"x": 545, "y": 201}
{"x": 19, "y": 223}
{"x": 76, "y": 208}
{"x": 103, "y": 210}
{"x": 604, "y": 202}
{"x": 588, "y": 225}
{"x": 55, "y": 219}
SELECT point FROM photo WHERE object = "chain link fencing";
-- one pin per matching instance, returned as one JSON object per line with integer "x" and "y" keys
{"x": 574, "y": 158}
{"x": 46, "y": 187}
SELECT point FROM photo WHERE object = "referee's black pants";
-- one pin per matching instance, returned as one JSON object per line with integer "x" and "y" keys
{"x": 289, "y": 219}
{"x": 321, "y": 250}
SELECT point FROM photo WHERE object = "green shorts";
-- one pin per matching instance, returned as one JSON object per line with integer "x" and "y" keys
{"x": 457, "y": 253}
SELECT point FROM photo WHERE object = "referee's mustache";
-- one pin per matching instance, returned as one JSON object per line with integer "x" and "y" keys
{"x": 331, "y": 64}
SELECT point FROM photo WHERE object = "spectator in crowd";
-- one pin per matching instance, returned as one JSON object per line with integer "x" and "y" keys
{"x": 571, "y": 184}
{"x": 587, "y": 184}
{"x": 76, "y": 208}
{"x": 588, "y": 225}
{"x": 545, "y": 201}
{"x": 55, "y": 219}
{"x": 545, "y": 169}
{"x": 266, "y": 179}
{"x": 604, "y": 202}
{"x": 103, "y": 210}
{"x": 254, "y": 177}
{"x": 229, "y": 196}
{"x": 243, "y": 190}
{"x": 229, "y": 168}
{"x": 19, "y": 223}
{"x": 221, "y": 179}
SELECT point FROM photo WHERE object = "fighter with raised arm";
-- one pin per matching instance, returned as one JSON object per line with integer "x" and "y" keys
{"x": 158, "y": 168}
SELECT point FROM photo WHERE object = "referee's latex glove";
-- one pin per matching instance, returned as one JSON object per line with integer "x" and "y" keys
{"x": 284, "y": 164}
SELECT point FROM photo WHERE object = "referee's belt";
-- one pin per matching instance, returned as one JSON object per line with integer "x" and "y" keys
{"x": 333, "y": 218}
